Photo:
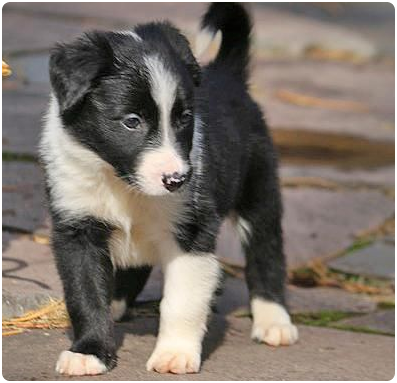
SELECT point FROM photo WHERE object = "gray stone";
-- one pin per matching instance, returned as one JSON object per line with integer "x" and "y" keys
{"x": 29, "y": 274}
{"x": 23, "y": 111}
{"x": 154, "y": 286}
{"x": 374, "y": 21}
{"x": 234, "y": 299}
{"x": 303, "y": 32}
{"x": 320, "y": 223}
{"x": 39, "y": 32}
{"x": 229, "y": 247}
{"x": 15, "y": 305}
{"x": 228, "y": 354}
{"x": 383, "y": 177}
{"x": 33, "y": 68}
{"x": 24, "y": 205}
{"x": 312, "y": 226}
{"x": 382, "y": 321}
{"x": 270, "y": 34}
{"x": 108, "y": 15}
{"x": 375, "y": 260}
{"x": 368, "y": 85}
{"x": 310, "y": 300}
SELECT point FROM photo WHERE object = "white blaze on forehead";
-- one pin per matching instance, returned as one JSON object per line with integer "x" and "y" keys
{"x": 163, "y": 90}
{"x": 164, "y": 159}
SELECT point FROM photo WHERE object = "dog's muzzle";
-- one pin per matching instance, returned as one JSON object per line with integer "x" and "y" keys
{"x": 173, "y": 181}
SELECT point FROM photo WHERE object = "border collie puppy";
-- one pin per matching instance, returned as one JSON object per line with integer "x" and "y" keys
{"x": 145, "y": 155}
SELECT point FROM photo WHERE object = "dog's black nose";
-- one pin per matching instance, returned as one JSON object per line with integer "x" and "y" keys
{"x": 173, "y": 181}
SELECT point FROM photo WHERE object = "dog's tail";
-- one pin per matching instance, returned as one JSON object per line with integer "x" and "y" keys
{"x": 234, "y": 23}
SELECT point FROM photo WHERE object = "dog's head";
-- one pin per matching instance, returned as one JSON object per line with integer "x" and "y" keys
{"x": 129, "y": 96}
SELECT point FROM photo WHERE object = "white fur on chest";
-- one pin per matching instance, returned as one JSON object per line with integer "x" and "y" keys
{"x": 82, "y": 184}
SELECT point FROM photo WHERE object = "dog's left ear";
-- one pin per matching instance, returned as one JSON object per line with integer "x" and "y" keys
{"x": 181, "y": 46}
{"x": 74, "y": 67}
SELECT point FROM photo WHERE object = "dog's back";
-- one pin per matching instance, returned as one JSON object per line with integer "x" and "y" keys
{"x": 232, "y": 120}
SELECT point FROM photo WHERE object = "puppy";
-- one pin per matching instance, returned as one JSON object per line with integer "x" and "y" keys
{"x": 145, "y": 155}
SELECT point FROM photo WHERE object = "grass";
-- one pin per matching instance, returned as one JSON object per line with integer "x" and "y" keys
{"x": 358, "y": 244}
{"x": 318, "y": 274}
{"x": 321, "y": 318}
{"x": 361, "y": 329}
{"x": 329, "y": 319}
{"x": 22, "y": 157}
{"x": 386, "y": 305}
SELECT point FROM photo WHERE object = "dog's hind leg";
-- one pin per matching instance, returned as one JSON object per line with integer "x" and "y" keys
{"x": 128, "y": 285}
{"x": 260, "y": 230}
{"x": 265, "y": 275}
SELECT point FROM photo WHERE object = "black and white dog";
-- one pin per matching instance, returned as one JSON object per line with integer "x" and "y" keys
{"x": 145, "y": 155}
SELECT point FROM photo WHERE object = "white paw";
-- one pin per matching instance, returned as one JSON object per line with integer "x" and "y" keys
{"x": 275, "y": 335}
{"x": 73, "y": 363}
{"x": 118, "y": 308}
{"x": 174, "y": 361}
{"x": 272, "y": 324}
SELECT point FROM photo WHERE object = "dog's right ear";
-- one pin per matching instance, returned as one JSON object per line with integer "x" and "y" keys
{"x": 74, "y": 67}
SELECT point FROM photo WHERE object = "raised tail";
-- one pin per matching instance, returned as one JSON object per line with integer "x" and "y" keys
{"x": 234, "y": 23}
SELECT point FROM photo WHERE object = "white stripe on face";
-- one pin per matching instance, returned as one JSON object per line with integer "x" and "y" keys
{"x": 163, "y": 89}
{"x": 165, "y": 159}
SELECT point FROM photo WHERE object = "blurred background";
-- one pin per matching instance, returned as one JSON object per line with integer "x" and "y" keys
{"x": 324, "y": 75}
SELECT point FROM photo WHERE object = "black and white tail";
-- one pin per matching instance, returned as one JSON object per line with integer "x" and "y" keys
{"x": 234, "y": 23}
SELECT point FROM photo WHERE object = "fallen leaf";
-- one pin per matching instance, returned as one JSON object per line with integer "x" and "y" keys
{"x": 315, "y": 182}
{"x": 316, "y": 102}
{"x": 11, "y": 332}
{"x": 41, "y": 239}
{"x": 319, "y": 53}
{"x": 6, "y": 70}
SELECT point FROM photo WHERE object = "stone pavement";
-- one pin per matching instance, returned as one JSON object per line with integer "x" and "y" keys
{"x": 324, "y": 76}
{"x": 321, "y": 354}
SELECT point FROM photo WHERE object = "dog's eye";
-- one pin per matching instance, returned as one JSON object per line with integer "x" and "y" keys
{"x": 131, "y": 122}
{"x": 186, "y": 118}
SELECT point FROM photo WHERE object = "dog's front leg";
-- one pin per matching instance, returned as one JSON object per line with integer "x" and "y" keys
{"x": 190, "y": 280}
{"x": 86, "y": 271}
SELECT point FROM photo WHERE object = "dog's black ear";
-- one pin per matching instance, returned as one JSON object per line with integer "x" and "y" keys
{"x": 74, "y": 67}
{"x": 181, "y": 46}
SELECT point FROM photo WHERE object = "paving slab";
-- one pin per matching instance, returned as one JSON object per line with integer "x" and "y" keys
{"x": 24, "y": 205}
{"x": 38, "y": 33}
{"x": 23, "y": 111}
{"x": 376, "y": 260}
{"x": 234, "y": 299}
{"x": 312, "y": 300}
{"x": 304, "y": 32}
{"x": 320, "y": 223}
{"x": 374, "y": 21}
{"x": 229, "y": 354}
{"x": 29, "y": 274}
{"x": 16, "y": 304}
{"x": 383, "y": 177}
{"x": 313, "y": 230}
{"x": 270, "y": 31}
{"x": 154, "y": 286}
{"x": 32, "y": 68}
{"x": 112, "y": 15}
{"x": 382, "y": 321}
{"x": 369, "y": 85}
{"x": 308, "y": 233}
{"x": 30, "y": 277}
